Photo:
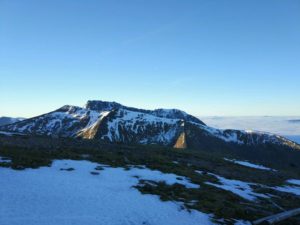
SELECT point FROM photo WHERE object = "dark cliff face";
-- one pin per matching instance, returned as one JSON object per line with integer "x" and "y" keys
{"x": 102, "y": 105}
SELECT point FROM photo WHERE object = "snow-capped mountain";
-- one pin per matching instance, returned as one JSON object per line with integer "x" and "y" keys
{"x": 113, "y": 122}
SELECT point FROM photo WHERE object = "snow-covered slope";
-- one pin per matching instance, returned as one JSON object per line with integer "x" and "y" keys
{"x": 164, "y": 113}
{"x": 136, "y": 127}
{"x": 247, "y": 137}
{"x": 65, "y": 122}
{"x": 113, "y": 122}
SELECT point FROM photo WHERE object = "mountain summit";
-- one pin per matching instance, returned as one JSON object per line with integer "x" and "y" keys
{"x": 164, "y": 113}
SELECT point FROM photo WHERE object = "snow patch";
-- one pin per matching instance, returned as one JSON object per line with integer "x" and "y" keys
{"x": 293, "y": 187}
{"x": 294, "y": 181}
{"x": 221, "y": 134}
{"x": 4, "y": 160}
{"x": 289, "y": 189}
{"x": 157, "y": 176}
{"x": 240, "y": 188}
{"x": 242, "y": 222}
{"x": 248, "y": 164}
{"x": 9, "y": 133}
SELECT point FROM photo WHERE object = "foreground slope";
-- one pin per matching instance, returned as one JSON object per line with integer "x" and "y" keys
{"x": 188, "y": 187}
{"x": 50, "y": 195}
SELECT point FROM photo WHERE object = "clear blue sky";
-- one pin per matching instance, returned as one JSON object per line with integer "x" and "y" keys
{"x": 212, "y": 57}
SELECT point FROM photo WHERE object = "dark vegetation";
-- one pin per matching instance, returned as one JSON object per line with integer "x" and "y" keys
{"x": 34, "y": 152}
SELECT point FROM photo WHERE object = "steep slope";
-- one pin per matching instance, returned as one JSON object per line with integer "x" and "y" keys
{"x": 63, "y": 122}
{"x": 124, "y": 126}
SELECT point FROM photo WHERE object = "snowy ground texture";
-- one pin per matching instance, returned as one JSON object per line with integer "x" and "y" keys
{"x": 288, "y": 127}
{"x": 82, "y": 192}
{"x": 49, "y": 195}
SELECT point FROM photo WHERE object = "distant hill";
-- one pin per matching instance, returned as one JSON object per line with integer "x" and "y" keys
{"x": 286, "y": 126}
{"x": 9, "y": 120}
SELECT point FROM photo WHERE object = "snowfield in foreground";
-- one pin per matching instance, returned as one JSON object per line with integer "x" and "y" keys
{"x": 49, "y": 195}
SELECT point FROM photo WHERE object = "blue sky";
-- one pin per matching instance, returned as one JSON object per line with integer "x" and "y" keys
{"x": 213, "y": 57}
